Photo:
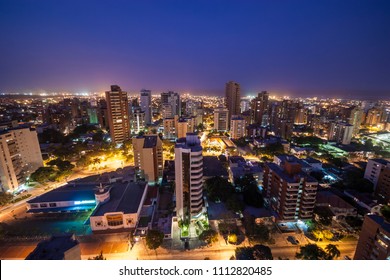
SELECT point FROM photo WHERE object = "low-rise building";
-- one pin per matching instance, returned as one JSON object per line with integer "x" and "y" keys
{"x": 58, "y": 247}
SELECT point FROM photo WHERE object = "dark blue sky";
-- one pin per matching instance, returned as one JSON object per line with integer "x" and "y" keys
{"x": 283, "y": 46}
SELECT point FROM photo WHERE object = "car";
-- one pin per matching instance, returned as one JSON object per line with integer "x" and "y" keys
{"x": 346, "y": 258}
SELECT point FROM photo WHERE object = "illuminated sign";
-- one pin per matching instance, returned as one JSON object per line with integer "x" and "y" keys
{"x": 78, "y": 202}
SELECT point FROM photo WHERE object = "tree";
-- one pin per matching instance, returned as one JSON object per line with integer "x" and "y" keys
{"x": 43, "y": 174}
{"x": 5, "y": 198}
{"x": 209, "y": 236}
{"x": 248, "y": 185}
{"x": 256, "y": 233}
{"x": 257, "y": 252}
{"x": 218, "y": 188}
{"x": 234, "y": 204}
{"x": 99, "y": 257}
{"x": 311, "y": 252}
{"x": 332, "y": 251}
{"x": 232, "y": 238}
{"x": 154, "y": 239}
{"x": 385, "y": 210}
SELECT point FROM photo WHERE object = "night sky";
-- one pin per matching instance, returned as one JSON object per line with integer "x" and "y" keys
{"x": 298, "y": 47}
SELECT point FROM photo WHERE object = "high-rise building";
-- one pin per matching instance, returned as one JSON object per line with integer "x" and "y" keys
{"x": 374, "y": 168}
{"x": 374, "y": 116}
{"x": 290, "y": 192}
{"x": 382, "y": 189}
{"x": 355, "y": 119}
{"x": 237, "y": 127}
{"x": 184, "y": 126}
{"x": 233, "y": 97}
{"x": 103, "y": 114}
{"x": 374, "y": 239}
{"x": 118, "y": 114}
{"x": 20, "y": 156}
{"x": 189, "y": 177}
{"x": 137, "y": 121}
{"x": 221, "y": 116}
{"x": 170, "y": 104}
{"x": 340, "y": 132}
{"x": 259, "y": 108}
{"x": 146, "y": 104}
{"x": 148, "y": 157}
{"x": 169, "y": 128}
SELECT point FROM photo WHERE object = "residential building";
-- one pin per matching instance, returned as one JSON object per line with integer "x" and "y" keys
{"x": 169, "y": 128}
{"x": 374, "y": 239}
{"x": 184, "y": 125}
{"x": 259, "y": 109}
{"x": 137, "y": 121}
{"x": 118, "y": 114}
{"x": 189, "y": 177}
{"x": 382, "y": 189}
{"x": 148, "y": 157}
{"x": 289, "y": 191}
{"x": 221, "y": 117}
{"x": 146, "y": 104}
{"x": 340, "y": 132}
{"x": 170, "y": 104}
{"x": 233, "y": 97}
{"x": 374, "y": 168}
{"x": 237, "y": 127}
{"x": 20, "y": 156}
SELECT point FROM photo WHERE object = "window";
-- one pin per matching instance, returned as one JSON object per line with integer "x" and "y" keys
{"x": 98, "y": 223}
{"x": 43, "y": 205}
{"x": 53, "y": 204}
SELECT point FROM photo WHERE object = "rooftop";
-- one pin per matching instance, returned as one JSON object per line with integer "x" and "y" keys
{"x": 212, "y": 166}
{"x": 290, "y": 179}
{"x": 53, "y": 248}
{"x": 150, "y": 141}
{"x": 124, "y": 198}
{"x": 380, "y": 160}
{"x": 329, "y": 198}
{"x": 69, "y": 192}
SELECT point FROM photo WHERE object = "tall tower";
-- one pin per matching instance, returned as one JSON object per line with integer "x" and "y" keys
{"x": 233, "y": 97}
{"x": 146, "y": 104}
{"x": 170, "y": 103}
{"x": 189, "y": 177}
{"x": 118, "y": 114}
{"x": 259, "y": 108}
{"x": 148, "y": 157}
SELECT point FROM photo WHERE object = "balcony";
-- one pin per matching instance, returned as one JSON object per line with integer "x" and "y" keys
{"x": 196, "y": 181}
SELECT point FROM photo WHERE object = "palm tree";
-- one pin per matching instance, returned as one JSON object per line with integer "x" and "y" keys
{"x": 332, "y": 251}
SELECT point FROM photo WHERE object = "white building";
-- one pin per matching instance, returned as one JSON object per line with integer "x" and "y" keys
{"x": 237, "y": 127}
{"x": 221, "y": 119}
{"x": 189, "y": 177}
{"x": 20, "y": 156}
{"x": 374, "y": 168}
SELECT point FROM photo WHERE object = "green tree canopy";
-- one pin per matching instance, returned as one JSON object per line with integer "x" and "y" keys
{"x": 154, "y": 239}
{"x": 218, "y": 188}
{"x": 311, "y": 252}
{"x": 209, "y": 236}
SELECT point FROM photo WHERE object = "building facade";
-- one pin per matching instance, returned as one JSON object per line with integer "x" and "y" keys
{"x": 146, "y": 104}
{"x": 237, "y": 127}
{"x": 20, "y": 156}
{"x": 189, "y": 177}
{"x": 118, "y": 114}
{"x": 289, "y": 191}
{"x": 374, "y": 239}
{"x": 221, "y": 117}
{"x": 148, "y": 157}
{"x": 232, "y": 99}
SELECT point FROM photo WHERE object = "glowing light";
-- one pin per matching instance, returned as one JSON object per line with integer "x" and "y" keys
{"x": 78, "y": 202}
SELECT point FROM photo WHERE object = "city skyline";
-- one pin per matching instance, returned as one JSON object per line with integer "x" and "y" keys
{"x": 325, "y": 49}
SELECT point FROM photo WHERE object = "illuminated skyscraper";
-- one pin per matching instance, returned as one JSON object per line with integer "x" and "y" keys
{"x": 189, "y": 177}
{"x": 118, "y": 114}
{"x": 146, "y": 104}
{"x": 233, "y": 98}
